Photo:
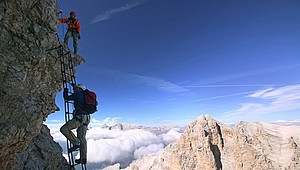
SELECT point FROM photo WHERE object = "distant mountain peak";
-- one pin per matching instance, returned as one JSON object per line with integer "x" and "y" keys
{"x": 209, "y": 144}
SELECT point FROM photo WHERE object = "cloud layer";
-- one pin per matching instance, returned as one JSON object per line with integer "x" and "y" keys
{"x": 107, "y": 147}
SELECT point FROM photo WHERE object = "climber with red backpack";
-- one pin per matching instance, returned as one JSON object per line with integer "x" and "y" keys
{"x": 85, "y": 103}
{"x": 73, "y": 30}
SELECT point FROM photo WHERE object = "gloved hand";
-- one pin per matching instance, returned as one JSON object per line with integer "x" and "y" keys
{"x": 79, "y": 37}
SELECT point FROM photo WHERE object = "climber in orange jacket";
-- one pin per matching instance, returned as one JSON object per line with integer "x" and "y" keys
{"x": 73, "y": 30}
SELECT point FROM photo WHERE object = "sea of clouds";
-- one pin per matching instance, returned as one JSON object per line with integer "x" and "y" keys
{"x": 107, "y": 147}
{"x": 117, "y": 143}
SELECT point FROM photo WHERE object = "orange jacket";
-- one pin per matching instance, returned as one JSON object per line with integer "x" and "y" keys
{"x": 72, "y": 24}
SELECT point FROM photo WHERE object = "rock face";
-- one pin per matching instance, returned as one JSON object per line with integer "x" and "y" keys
{"x": 30, "y": 75}
{"x": 41, "y": 153}
{"x": 208, "y": 144}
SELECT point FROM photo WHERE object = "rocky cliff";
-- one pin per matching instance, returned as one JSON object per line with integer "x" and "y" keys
{"x": 30, "y": 75}
{"x": 208, "y": 144}
{"x": 41, "y": 153}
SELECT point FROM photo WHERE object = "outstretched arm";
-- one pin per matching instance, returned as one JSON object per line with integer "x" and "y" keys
{"x": 63, "y": 20}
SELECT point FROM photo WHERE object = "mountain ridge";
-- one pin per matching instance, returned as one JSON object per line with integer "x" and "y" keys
{"x": 209, "y": 144}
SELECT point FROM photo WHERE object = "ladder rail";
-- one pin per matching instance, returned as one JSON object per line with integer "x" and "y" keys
{"x": 69, "y": 80}
{"x": 66, "y": 102}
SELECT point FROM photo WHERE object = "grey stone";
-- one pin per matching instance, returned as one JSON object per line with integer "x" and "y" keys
{"x": 30, "y": 78}
{"x": 208, "y": 144}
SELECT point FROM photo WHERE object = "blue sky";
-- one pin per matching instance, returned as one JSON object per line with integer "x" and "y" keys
{"x": 157, "y": 62}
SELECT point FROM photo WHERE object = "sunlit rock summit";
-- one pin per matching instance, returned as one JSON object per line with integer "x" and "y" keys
{"x": 208, "y": 144}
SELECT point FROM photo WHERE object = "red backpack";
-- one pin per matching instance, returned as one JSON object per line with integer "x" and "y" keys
{"x": 90, "y": 104}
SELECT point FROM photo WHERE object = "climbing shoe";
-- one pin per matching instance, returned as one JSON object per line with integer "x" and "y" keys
{"x": 81, "y": 161}
{"x": 74, "y": 148}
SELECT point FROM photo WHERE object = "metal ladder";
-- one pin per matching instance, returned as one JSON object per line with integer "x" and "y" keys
{"x": 69, "y": 80}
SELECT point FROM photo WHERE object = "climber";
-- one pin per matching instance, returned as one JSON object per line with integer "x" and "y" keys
{"x": 80, "y": 120}
{"x": 73, "y": 30}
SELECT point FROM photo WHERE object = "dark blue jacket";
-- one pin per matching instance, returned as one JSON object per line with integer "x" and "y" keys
{"x": 79, "y": 99}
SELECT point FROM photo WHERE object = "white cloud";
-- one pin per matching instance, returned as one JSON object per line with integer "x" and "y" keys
{"x": 117, "y": 146}
{"x": 230, "y": 85}
{"x": 261, "y": 92}
{"x": 54, "y": 127}
{"x": 160, "y": 84}
{"x": 111, "y": 121}
{"x": 152, "y": 148}
{"x": 109, "y": 13}
{"x": 154, "y": 82}
{"x": 290, "y": 93}
{"x": 108, "y": 121}
{"x": 224, "y": 96}
{"x": 171, "y": 136}
{"x": 272, "y": 100}
{"x": 54, "y": 121}
{"x": 287, "y": 122}
{"x": 107, "y": 147}
{"x": 247, "y": 74}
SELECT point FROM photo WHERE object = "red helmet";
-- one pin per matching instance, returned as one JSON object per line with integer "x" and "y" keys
{"x": 73, "y": 13}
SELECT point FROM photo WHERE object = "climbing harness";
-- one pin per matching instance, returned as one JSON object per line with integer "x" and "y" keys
{"x": 69, "y": 80}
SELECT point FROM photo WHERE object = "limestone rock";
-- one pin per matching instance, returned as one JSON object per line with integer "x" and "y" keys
{"x": 41, "y": 153}
{"x": 113, "y": 167}
{"x": 29, "y": 74}
{"x": 208, "y": 144}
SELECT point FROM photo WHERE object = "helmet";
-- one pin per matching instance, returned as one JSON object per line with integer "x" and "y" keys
{"x": 81, "y": 86}
{"x": 73, "y": 13}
